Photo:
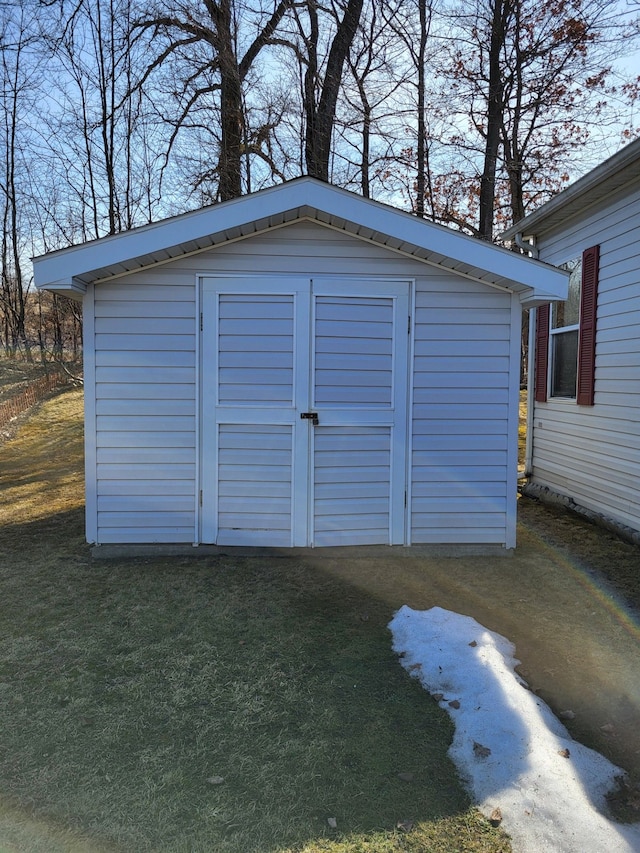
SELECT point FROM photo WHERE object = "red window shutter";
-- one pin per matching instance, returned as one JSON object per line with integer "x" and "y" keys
{"x": 542, "y": 353}
{"x": 587, "y": 334}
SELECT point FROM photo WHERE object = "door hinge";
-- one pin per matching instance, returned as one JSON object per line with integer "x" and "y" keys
{"x": 409, "y": 325}
{"x": 200, "y": 497}
{"x": 405, "y": 498}
{"x": 201, "y": 324}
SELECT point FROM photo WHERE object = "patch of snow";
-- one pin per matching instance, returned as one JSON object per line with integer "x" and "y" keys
{"x": 510, "y": 749}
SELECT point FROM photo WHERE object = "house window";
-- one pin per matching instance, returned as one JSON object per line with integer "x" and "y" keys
{"x": 566, "y": 337}
{"x": 565, "y": 325}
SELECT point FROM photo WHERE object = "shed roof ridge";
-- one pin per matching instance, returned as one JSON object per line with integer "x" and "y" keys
{"x": 273, "y": 207}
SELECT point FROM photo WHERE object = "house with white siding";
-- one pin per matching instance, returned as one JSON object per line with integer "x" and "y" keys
{"x": 300, "y": 367}
{"x": 583, "y": 443}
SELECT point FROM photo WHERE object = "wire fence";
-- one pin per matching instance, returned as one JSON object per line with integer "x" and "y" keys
{"x": 29, "y": 396}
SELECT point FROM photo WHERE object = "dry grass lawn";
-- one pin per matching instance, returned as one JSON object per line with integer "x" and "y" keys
{"x": 202, "y": 704}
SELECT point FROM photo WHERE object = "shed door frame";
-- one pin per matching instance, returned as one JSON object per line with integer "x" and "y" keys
{"x": 304, "y": 291}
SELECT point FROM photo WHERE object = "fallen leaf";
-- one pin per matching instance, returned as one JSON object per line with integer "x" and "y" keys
{"x": 480, "y": 751}
{"x": 564, "y": 753}
{"x": 438, "y": 696}
{"x": 567, "y": 715}
{"x": 215, "y": 780}
{"x": 455, "y": 703}
{"x": 608, "y": 729}
{"x": 333, "y": 823}
{"x": 495, "y": 818}
{"x": 405, "y": 825}
{"x": 415, "y": 666}
{"x": 473, "y": 644}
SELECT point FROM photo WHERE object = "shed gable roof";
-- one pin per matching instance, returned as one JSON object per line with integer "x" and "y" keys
{"x": 70, "y": 270}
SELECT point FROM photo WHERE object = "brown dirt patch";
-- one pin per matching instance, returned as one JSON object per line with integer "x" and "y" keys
{"x": 610, "y": 560}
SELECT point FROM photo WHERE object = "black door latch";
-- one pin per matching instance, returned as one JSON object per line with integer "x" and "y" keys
{"x": 310, "y": 416}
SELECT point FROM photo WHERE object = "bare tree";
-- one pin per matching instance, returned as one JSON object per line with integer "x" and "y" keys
{"x": 321, "y": 86}
{"x": 19, "y": 78}
{"x": 424, "y": 17}
{"x": 500, "y": 12}
{"x": 95, "y": 123}
{"x": 368, "y": 106}
{"x": 531, "y": 84}
{"x": 212, "y": 48}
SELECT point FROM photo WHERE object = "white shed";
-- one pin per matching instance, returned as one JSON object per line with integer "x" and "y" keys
{"x": 300, "y": 367}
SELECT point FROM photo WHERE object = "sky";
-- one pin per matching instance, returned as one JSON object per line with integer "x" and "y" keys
{"x": 511, "y": 751}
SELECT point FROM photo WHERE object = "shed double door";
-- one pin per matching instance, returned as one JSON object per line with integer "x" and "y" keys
{"x": 304, "y": 411}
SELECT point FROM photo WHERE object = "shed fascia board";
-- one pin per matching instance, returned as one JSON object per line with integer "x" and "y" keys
{"x": 615, "y": 172}
{"x": 72, "y": 288}
{"x": 301, "y": 198}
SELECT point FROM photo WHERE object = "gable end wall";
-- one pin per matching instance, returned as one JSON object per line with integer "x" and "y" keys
{"x": 142, "y": 480}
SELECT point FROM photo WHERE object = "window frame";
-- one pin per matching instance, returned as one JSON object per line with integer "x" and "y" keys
{"x": 555, "y": 332}
{"x": 586, "y": 354}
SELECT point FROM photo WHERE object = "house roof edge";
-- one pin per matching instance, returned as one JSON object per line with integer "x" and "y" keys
{"x": 623, "y": 165}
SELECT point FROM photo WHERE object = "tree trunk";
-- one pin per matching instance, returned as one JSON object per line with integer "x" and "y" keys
{"x": 421, "y": 175}
{"x": 513, "y": 165}
{"x": 513, "y": 158}
{"x": 494, "y": 119}
{"x": 231, "y": 107}
{"x": 230, "y": 161}
{"x": 365, "y": 180}
{"x": 14, "y": 290}
{"x": 320, "y": 118}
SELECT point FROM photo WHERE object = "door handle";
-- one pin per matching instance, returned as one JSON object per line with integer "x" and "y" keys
{"x": 310, "y": 416}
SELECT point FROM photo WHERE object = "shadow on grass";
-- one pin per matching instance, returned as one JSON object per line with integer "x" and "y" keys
{"x": 218, "y": 704}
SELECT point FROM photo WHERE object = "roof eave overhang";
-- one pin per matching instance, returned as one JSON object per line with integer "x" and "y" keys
{"x": 70, "y": 270}
{"x": 73, "y": 288}
{"x": 534, "y": 300}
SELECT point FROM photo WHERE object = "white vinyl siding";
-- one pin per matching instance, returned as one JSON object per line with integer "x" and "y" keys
{"x": 461, "y": 417}
{"x": 145, "y": 454}
{"x": 461, "y": 412}
{"x": 255, "y": 360}
{"x": 592, "y": 453}
{"x": 254, "y": 485}
{"x": 353, "y": 351}
{"x": 352, "y": 485}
